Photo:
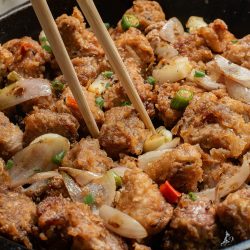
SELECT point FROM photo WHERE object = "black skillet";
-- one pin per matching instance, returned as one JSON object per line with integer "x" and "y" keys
{"x": 22, "y": 21}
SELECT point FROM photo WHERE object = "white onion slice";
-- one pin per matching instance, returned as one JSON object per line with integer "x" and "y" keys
{"x": 168, "y": 145}
{"x": 99, "y": 85}
{"x": 208, "y": 193}
{"x": 194, "y": 23}
{"x": 206, "y": 82}
{"x": 147, "y": 158}
{"x": 37, "y": 177}
{"x": 171, "y": 30}
{"x": 74, "y": 190}
{"x": 120, "y": 171}
{"x": 37, "y": 157}
{"x": 233, "y": 183}
{"x": 23, "y": 90}
{"x": 121, "y": 223}
{"x": 233, "y": 71}
{"x": 166, "y": 51}
{"x": 237, "y": 91}
{"x": 35, "y": 188}
{"x": 82, "y": 177}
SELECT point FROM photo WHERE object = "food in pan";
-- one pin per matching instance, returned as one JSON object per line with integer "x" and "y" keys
{"x": 185, "y": 187}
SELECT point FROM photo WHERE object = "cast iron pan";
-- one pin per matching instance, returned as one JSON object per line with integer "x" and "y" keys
{"x": 22, "y": 21}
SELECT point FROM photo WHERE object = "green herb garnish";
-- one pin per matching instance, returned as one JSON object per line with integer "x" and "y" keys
{"x": 126, "y": 103}
{"x": 57, "y": 85}
{"x": 199, "y": 73}
{"x": 234, "y": 41}
{"x": 57, "y": 159}
{"x": 151, "y": 80}
{"x": 107, "y": 74}
{"x": 129, "y": 20}
{"x": 118, "y": 179}
{"x": 9, "y": 165}
{"x": 47, "y": 48}
{"x": 89, "y": 199}
{"x": 99, "y": 102}
{"x": 181, "y": 99}
{"x": 107, "y": 85}
{"x": 43, "y": 39}
{"x": 192, "y": 196}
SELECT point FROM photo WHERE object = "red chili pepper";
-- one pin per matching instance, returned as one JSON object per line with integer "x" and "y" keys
{"x": 71, "y": 102}
{"x": 169, "y": 193}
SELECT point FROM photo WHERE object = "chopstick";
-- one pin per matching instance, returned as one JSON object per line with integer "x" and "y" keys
{"x": 93, "y": 17}
{"x": 48, "y": 24}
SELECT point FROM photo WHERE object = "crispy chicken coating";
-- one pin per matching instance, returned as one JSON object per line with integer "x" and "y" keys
{"x": 11, "y": 137}
{"x": 87, "y": 155}
{"x": 29, "y": 58}
{"x": 122, "y": 132}
{"x": 141, "y": 199}
{"x": 234, "y": 213}
{"x": 180, "y": 166}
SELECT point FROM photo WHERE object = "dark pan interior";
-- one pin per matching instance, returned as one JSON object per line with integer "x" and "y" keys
{"x": 22, "y": 21}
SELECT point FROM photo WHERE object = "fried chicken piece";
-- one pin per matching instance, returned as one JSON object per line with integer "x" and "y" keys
{"x": 193, "y": 226}
{"x": 165, "y": 93}
{"x": 45, "y": 121}
{"x": 234, "y": 213}
{"x": 218, "y": 125}
{"x": 17, "y": 217}
{"x": 11, "y": 137}
{"x": 116, "y": 95}
{"x": 133, "y": 44}
{"x": 63, "y": 107}
{"x": 123, "y": 132}
{"x": 148, "y": 12}
{"x": 216, "y": 35}
{"x": 79, "y": 41}
{"x": 194, "y": 47}
{"x": 61, "y": 219}
{"x": 141, "y": 199}
{"x": 180, "y": 166}
{"x": 29, "y": 58}
{"x": 87, "y": 155}
{"x": 6, "y": 59}
{"x": 239, "y": 52}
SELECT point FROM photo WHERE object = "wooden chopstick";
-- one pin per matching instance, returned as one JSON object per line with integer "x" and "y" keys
{"x": 93, "y": 17}
{"x": 48, "y": 24}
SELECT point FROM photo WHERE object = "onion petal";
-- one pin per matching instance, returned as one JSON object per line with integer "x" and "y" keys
{"x": 120, "y": 171}
{"x": 74, "y": 190}
{"x": 237, "y": 91}
{"x": 37, "y": 157}
{"x": 208, "y": 193}
{"x": 171, "y": 30}
{"x": 121, "y": 223}
{"x": 23, "y": 90}
{"x": 233, "y": 71}
{"x": 82, "y": 177}
{"x": 168, "y": 145}
{"x": 149, "y": 157}
{"x": 233, "y": 183}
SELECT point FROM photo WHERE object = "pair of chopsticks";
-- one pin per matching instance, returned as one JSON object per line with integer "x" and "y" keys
{"x": 89, "y": 10}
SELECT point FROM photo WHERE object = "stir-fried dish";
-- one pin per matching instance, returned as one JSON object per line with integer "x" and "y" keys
{"x": 185, "y": 187}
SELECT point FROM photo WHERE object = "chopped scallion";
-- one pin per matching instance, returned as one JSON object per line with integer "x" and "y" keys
{"x": 192, "y": 196}
{"x": 118, "y": 179}
{"x": 57, "y": 159}
{"x": 234, "y": 41}
{"x": 107, "y": 74}
{"x": 129, "y": 20}
{"x": 89, "y": 199}
{"x": 107, "y": 85}
{"x": 151, "y": 80}
{"x": 47, "y": 48}
{"x": 57, "y": 85}
{"x": 199, "y": 73}
{"x": 126, "y": 103}
{"x": 43, "y": 39}
{"x": 181, "y": 99}
{"x": 99, "y": 101}
{"x": 9, "y": 165}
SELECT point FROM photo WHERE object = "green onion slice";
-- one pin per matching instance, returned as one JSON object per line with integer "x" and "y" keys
{"x": 57, "y": 85}
{"x": 57, "y": 159}
{"x": 181, "y": 99}
{"x": 9, "y": 165}
{"x": 89, "y": 199}
{"x": 199, "y": 73}
{"x": 47, "y": 48}
{"x": 192, "y": 196}
{"x": 129, "y": 20}
{"x": 99, "y": 101}
{"x": 151, "y": 80}
{"x": 118, "y": 179}
{"x": 234, "y": 41}
{"x": 107, "y": 74}
{"x": 126, "y": 103}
